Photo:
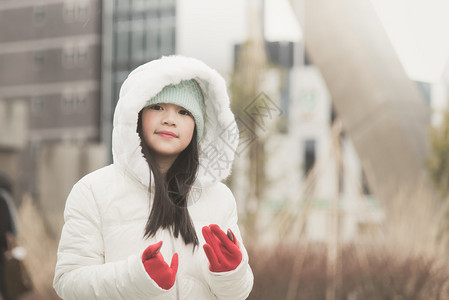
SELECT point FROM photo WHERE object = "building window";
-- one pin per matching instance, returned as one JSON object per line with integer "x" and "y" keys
{"x": 142, "y": 30}
{"x": 81, "y": 102}
{"x": 307, "y": 60}
{"x": 68, "y": 103}
{"x": 68, "y": 57}
{"x": 333, "y": 115}
{"x": 69, "y": 13}
{"x": 75, "y": 56}
{"x": 39, "y": 58}
{"x": 122, "y": 41}
{"x": 138, "y": 39}
{"x": 121, "y": 5}
{"x": 74, "y": 102}
{"x": 76, "y": 11}
{"x": 153, "y": 38}
{"x": 83, "y": 10}
{"x": 37, "y": 105}
{"x": 308, "y": 100}
{"x": 139, "y": 4}
{"x": 119, "y": 78}
{"x": 39, "y": 14}
{"x": 309, "y": 156}
{"x": 143, "y": 34}
{"x": 82, "y": 55}
{"x": 167, "y": 28}
{"x": 365, "y": 186}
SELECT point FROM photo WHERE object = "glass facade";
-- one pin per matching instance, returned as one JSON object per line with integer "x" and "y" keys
{"x": 142, "y": 30}
{"x": 134, "y": 32}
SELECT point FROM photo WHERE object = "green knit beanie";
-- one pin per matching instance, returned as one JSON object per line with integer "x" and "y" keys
{"x": 186, "y": 94}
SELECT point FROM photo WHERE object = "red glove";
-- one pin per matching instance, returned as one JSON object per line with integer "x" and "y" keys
{"x": 157, "y": 268}
{"x": 222, "y": 250}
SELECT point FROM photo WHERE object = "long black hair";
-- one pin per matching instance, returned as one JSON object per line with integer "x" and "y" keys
{"x": 169, "y": 209}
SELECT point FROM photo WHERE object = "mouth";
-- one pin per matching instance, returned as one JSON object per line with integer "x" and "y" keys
{"x": 166, "y": 134}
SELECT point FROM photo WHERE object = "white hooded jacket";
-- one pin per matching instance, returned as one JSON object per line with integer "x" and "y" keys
{"x": 99, "y": 254}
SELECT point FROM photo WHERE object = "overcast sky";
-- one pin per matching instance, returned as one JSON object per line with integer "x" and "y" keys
{"x": 209, "y": 29}
{"x": 418, "y": 29}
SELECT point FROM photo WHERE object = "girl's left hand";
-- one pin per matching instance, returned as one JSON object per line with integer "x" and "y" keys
{"x": 157, "y": 268}
{"x": 222, "y": 251}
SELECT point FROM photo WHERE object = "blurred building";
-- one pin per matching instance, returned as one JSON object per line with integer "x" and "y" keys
{"x": 310, "y": 162}
{"x": 50, "y": 72}
{"x": 313, "y": 163}
{"x": 309, "y": 166}
{"x": 134, "y": 32}
{"x": 51, "y": 63}
{"x": 50, "y": 79}
{"x": 383, "y": 111}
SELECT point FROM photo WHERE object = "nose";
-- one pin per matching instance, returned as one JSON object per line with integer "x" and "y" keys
{"x": 169, "y": 117}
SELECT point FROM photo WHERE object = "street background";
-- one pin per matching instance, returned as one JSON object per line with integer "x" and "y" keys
{"x": 341, "y": 174}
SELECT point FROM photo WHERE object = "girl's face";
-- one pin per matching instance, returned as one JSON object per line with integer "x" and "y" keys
{"x": 167, "y": 129}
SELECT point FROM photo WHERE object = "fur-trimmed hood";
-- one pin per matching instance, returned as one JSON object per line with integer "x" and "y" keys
{"x": 220, "y": 139}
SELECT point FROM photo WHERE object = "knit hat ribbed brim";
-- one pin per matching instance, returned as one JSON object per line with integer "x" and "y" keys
{"x": 186, "y": 94}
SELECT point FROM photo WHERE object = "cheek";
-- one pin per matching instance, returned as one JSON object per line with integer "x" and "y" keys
{"x": 147, "y": 123}
{"x": 189, "y": 127}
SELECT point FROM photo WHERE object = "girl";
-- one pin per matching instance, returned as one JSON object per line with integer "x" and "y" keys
{"x": 157, "y": 223}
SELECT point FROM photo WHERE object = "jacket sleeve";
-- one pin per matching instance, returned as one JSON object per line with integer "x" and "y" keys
{"x": 81, "y": 271}
{"x": 236, "y": 284}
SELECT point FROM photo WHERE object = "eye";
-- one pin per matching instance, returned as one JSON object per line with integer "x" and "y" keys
{"x": 155, "y": 107}
{"x": 185, "y": 112}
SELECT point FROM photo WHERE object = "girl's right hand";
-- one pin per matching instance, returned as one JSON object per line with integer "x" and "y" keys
{"x": 157, "y": 268}
{"x": 222, "y": 249}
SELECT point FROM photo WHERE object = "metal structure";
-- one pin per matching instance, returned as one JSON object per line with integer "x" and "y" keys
{"x": 381, "y": 109}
